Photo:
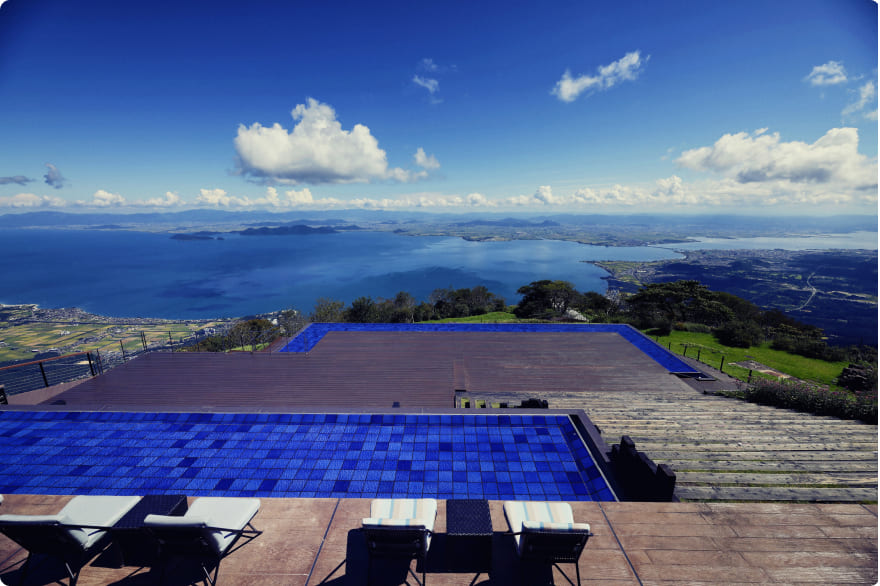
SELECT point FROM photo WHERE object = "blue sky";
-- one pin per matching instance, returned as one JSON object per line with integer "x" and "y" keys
{"x": 685, "y": 107}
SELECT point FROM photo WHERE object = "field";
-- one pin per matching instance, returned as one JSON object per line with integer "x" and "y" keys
{"x": 712, "y": 353}
{"x": 27, "y": 332}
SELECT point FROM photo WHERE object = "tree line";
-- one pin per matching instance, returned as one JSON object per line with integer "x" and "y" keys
{"x": 657, "y": 307}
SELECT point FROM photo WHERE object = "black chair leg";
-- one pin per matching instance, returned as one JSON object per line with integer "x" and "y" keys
{"x": 24, "y": 569}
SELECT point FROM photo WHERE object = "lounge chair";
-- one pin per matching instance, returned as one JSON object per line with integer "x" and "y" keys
{"x": 546, "y": 532}
{"x": 206, "y": 533}
{"x": 73, "y": 536}
{"x": 401, "y": 529}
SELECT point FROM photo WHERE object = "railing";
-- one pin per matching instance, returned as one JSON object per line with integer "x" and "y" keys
{"x": 35, "y": 374}
{"x": 29, "y": 375}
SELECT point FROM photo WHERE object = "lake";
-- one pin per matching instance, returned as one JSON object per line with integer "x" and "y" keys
{"x": 851, "y": 241}
{"x": 142, "y": 274}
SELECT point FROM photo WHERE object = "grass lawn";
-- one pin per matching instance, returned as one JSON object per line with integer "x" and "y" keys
{"x": 711, "y": 353}
{"x": 489, "y": 318}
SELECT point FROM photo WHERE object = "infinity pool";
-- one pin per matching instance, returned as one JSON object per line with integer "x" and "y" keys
{"x": 307, "y": 338}
{"x": 298, "y": 455}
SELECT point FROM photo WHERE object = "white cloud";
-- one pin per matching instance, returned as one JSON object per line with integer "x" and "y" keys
{"x": 213, "y": 197}
{"x": 759, "y": 158}
{"x": 544, "y": 194}
{"x": 31, "y": 200}
{"x": 54, "y": 177}
{"x": 170, "y": 199}
{"x": 478, "y": 200}
{"x": 627, "y": 68}
{"x": 867, "y": 96}
{"x": 428, "y": 64}
{"x": 426, "y": 161}
{"x": 103, "y": 199}
{"x": 830, "y": 73}
{"x": 432, "y": 85}
{"x": 272, "y": 200}
{"x": 17, "y": 179}
{"x": 316, "y": 151}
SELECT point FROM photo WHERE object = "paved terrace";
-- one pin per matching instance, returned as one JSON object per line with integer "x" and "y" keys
{"x": 315, "y": 541}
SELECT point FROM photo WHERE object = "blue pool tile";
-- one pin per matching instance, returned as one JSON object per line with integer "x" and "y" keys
{"x": 297, "y": 455}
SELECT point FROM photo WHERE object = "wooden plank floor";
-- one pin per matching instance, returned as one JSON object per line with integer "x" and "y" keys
{"x": 377, "y": 369}
{"x": 317, "y": 541}
{"x": 726, "y": 449}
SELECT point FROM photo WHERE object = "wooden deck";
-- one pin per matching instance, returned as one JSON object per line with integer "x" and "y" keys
{"x": 316, "y": 541}
{"x": 377, "y": 369}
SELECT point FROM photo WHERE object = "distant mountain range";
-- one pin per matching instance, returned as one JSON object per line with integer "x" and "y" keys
{"x": 698, "y": 224}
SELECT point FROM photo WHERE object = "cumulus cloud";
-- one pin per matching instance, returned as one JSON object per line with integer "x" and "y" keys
{"x": 432, "y": 85}
{"x": 761, "y": 157}
{"x": 627, "y": 68}
{"x": 31, "y": 200}
{"x": 831, "y": 73}
{"x": 17, "y": 179}
{"x": 214, "y": 197}
{"x": 544, "y": 194}
{"x": 316, "y": 151}
{"x": 426, "y": 161}
{"x": 103, "y": 199}
{"x": 54, "y": 177}
{"x": 272, "y": 199}
{"x": 170, "y": 200}
{"x": 867, "y": 96}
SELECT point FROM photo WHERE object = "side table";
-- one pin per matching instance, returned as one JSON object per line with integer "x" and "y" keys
{"x": 136, "y": 546}
{"x": 469, "y": 533}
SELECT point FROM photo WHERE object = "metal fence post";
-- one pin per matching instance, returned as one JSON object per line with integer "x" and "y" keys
{"x": 91, "y": 366}
{"x": 43, "y": 372}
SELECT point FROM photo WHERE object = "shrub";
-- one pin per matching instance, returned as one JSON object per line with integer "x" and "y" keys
{"x": 814, "y": 399}
{"x": 739, "y": 335}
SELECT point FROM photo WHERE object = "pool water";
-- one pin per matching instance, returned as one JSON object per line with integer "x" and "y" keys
{"x": 298, "y": 455}
{"x": 309, "y": 337}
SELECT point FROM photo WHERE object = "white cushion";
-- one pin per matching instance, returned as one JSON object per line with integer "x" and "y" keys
{"x": 103, "y": 511}
{"x": 174, "y": 521}
{"x": 30, "y": 519}
{"x": 560, "y": 527}
{"x": 380, "y": 522}
{"x": 423, "y": 510}
{"x": 226, "y": 513}
{"x": 517, "y": 512}
{"x": 95, "y": 511}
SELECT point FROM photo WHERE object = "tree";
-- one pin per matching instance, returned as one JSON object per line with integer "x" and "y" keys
{"x": 740, "y": 334}
{"x": 592, "y": 304}
{"x": 251, "y": 332}
{"x": 546, "y": 299}
{"x": 362, "y": 310}
{"x": 327, "y": 310}
{"x": 677, "y": 301}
